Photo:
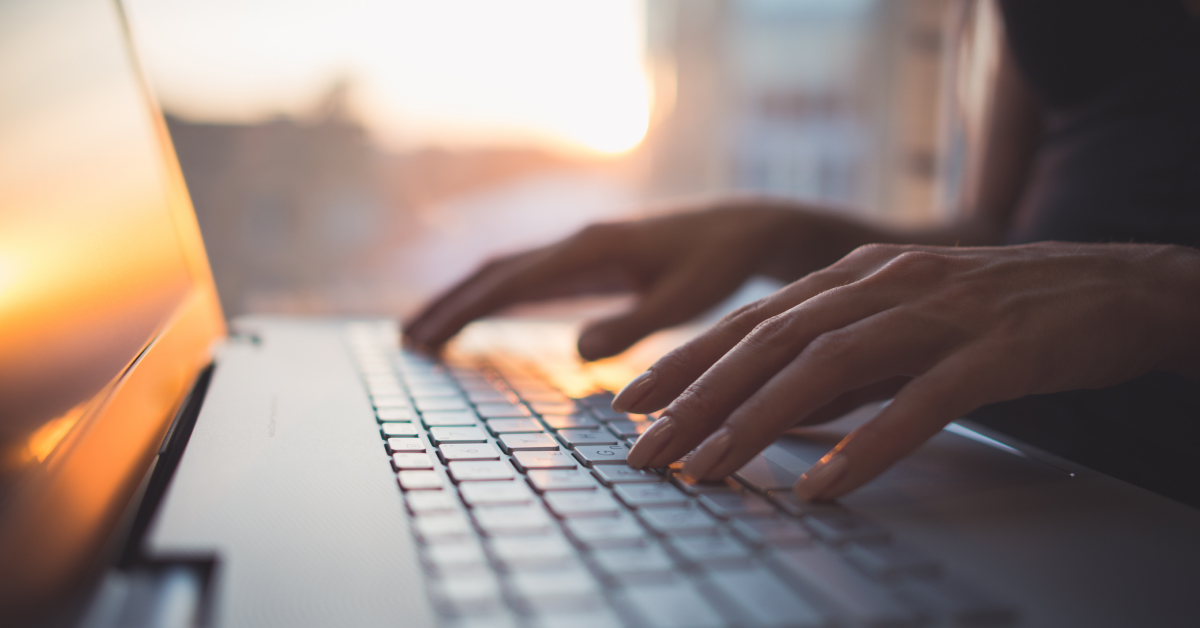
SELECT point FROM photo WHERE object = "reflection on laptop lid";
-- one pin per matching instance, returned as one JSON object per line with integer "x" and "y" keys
{"x": 107, "y": 308}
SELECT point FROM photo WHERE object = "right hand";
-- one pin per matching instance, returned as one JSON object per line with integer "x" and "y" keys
{"x": 680, "y": 265}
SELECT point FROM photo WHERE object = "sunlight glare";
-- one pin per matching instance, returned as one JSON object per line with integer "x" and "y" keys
{"x": 561, "y": 74}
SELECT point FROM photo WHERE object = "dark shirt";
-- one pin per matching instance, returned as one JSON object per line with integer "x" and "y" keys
{"x": 1119, "y": 82}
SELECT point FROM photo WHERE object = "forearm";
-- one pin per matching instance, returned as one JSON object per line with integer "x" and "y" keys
{"x": 1176, "y": 299}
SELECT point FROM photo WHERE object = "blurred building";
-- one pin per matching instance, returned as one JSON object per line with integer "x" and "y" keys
{"x": 283, "y": 205}
{"x": 307, "y": 215}
{"x": 832, "y": 101}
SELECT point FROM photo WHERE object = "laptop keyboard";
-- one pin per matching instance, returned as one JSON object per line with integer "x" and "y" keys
{"x": 525, "y": 514}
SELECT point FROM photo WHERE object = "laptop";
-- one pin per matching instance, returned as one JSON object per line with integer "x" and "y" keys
{"x": 163, "y": 469}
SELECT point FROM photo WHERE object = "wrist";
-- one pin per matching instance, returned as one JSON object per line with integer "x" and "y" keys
{"x": 1179, "y": 269}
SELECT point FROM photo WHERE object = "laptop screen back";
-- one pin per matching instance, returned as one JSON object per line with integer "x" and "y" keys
{"x": 100, "y": 263}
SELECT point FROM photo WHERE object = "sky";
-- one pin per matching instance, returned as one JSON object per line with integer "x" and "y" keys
{"x": 565, "y": 75}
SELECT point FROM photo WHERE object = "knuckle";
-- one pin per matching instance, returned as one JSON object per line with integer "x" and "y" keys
{"x": 601, "y": 233}
{"x": 746, "y": 317}
{"x": 769, "y": 332}
{"x": 874, "y": 251}
{"x": 831, "y": 350}
{"x": 918, "y": 265}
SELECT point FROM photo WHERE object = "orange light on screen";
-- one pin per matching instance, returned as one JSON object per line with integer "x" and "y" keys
{"x": 563, "y": 75}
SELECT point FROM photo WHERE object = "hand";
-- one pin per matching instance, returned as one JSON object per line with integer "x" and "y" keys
{"x": 680, "y": 264}
{"x": 944, "y": 330}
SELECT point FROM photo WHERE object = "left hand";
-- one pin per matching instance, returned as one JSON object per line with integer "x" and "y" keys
{"x": 944, "y": 330}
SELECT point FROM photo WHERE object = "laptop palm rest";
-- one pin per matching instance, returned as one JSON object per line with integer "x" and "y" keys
{"x": 1034, "y": 529}
{"x": 285, "y": 481}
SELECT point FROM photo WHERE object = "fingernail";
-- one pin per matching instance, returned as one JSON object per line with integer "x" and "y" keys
{"x": 709, "y": 454}
{"x": 651, "y": 443}
{"x": 634, "y": 391}
{"x": 821, "y": 477}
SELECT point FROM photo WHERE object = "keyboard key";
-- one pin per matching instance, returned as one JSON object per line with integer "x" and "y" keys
{"x": 512, "y": 492}
{"x": 528, "y": 442}
{"x": 477, "y": 594}
{"x": 619, "y": 562}
{"x": 529, "y": 460}
{"x": 598, "y": 617}
{"x": 886, "y": 562}
{"x": 567, "y": 504}
{"x": 405, "y": 461}
{"x": 573, "y": 438}
{"x": 554, "y": 407}
{"x": 795, "y": 506}
{"x": 441, "y": 435}
{"x": 503, "y": 520}
{"x": 654, "y": 495}
{"x": 597, "y": 532}
{"x": 560, "y": 588}
{"x": 469, "y": 451}
{"x": 760, "y": 596}
{"x": 711, "y": 550}
{"x": 425, "y": 502}
{"x": 514, "y": 426}
{"x": 440, "y": 526}
{"x": 390, "y": 401}
{"x": 463, "y": 471}
{"x": 678, "y": 521}
{"x": 440, "y": 404}
{"x": 390, "y": 430}
{"x": 388, "y": 388}
{"x": 726, "y": 505}
{"x": 395, "y": 414}
{"x": 543, "y": 395}
{"x": 612, "y": 474}
{"x": 859, "y": 599}
{"x": 844, "y": 527}
{"x": 420, "y": 480}
{"x": 561, "y": 480}
{"x": 674, "y": 605}
{"x": 774, "y": 531}
{"x": 692, "y": 486}
{"x": 487, "y": 395}
{"x": 601, "y": 454}
{"x": 501, "y": 410}
{"x": 765, "y": 475}
{"x": 423, "y": 391}
{"x": 606, "y": 413}
{"x": 452, "y": 418}
{"x": 577, "y": 420}
{"x": 455, "y": 557}
{"x": 628, "y": 429}
{"x": 536, "y": 550}
{"x": 405, "y": 444}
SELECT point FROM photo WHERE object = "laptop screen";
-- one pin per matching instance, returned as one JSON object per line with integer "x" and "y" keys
{"x": 108, "y": 312}
{"x": 90, "y": 260}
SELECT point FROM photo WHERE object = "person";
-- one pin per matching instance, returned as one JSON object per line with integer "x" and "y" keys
{"x": 1073, "y": 273}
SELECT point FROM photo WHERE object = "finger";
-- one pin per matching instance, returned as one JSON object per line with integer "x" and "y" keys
{"x": 851, "y": 401}
{"x": 677, "y": 297}
{"x": 881, "y": 347}
{"x": 515, "y": 279}
{"x": 674, "y": 372}
{"x": 759, "y": 356}
{"x": 957, "y": 385}
{"x": 424, "y": 325}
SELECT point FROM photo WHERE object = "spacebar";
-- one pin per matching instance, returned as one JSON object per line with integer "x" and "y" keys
{"x": 821, "y": 569}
